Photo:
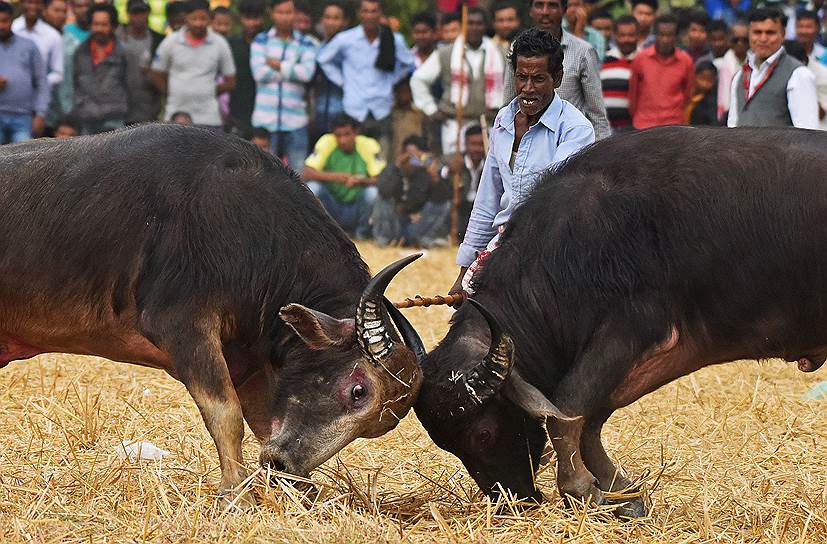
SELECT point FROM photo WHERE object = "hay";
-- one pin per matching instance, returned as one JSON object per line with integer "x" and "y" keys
{"x": 729, "y": 454}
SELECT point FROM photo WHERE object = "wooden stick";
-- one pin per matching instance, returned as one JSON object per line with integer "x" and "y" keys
{"x": 460, "y": 113}
{"x": 423, "y": 302}
{"x": 484, "y": 127}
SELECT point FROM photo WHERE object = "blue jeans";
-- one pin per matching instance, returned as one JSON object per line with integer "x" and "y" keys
{"x": 389, "y": 225}
{"x": 15, "y": 128}
{"x": 293, "y": 145}
{"x": 353, "y": 217}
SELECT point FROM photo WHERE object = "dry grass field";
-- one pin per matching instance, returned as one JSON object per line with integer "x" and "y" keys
{"x": 729, "y": 454}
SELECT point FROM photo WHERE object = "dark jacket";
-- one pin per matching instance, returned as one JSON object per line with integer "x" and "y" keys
{"x": 706, "y": 111}
{"x": 411, "y": 192}
{"x": 100, "y": 92}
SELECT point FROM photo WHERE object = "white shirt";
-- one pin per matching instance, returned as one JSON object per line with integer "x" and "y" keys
{"x": 48, "y": 42}
{"x": 820, "y": 73}
{"x": 802, "y": 99}
{"x": 729, "y": 66}
{"x": 429, "y": 71}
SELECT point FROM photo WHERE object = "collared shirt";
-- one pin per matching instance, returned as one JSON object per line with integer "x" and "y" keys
{"x": 281, "y": 103}
{"x": 659, "y": 88}
{"x": 581, "y": 82}
{"x": 349, "y": 61}
{"x": 802, "y": 98}
{"x": 561, "y": 131}
{"x": 48, "y": 42}
{"x": 192, "y": 73}
{"x": 27, "y": 90}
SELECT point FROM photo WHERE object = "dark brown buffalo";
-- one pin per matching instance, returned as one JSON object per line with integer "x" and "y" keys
{"x": 174, "y": 248}
{"x": 642, "y": 259}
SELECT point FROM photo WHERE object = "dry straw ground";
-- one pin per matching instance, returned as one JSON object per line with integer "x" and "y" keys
{"x": 729, "y": 454}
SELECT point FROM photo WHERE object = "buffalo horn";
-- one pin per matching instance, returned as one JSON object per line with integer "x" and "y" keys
{"x": 486, "y": 379}
{"x": 371, "y": 328}
{"x": 406, "y": 330}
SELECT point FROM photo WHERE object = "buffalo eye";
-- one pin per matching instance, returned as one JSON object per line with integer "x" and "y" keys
{"x": 358, "y": 392}
{"x": 484, "y": 436}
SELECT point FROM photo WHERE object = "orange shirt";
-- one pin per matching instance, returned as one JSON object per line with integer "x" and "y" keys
{"x": 660, "y": 88}
{"x": 100, "y": 52}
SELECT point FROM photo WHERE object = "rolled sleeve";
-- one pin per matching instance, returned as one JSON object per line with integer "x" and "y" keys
{"x": 330, "y": 62}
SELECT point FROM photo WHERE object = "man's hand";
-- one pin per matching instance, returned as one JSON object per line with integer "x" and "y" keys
{"x": 353, "y": 181}
{"x": 38, "y": 126}
{"x": 274, "y": 64}
{"x": 457, "y": 287}
{"x": 3, "y": 82}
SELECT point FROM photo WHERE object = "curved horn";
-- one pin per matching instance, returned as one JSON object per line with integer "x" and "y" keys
{"x": 486, "y": 379}
{"x": 371, "y": 330}
{"x": 409, "y": 334}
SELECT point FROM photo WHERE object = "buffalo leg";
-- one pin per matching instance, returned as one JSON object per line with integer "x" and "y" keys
{"x": 574, "y": 481}
{"x": 201, "y": 367}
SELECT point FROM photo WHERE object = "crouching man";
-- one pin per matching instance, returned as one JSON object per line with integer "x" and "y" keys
{"x": 414, "y": 203}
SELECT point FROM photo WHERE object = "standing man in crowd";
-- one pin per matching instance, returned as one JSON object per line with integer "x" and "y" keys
{"x": 536, "y": 130}
{"x": 187, "y": 65}
{"x": 101, "y": 74}
{"x": 423, "y": 32}
{"x": 24, "y": 88}
{"x": 243, "y": 96}
{"x": 74, "y": 34}
{"x": 327, "y": 96}
{"x": 55, "y": 14}
{"x": 581, "y": 70}
{"x": 645, "y": 11}
{"x": 718, "y": 32}
{"x": 506, "y": 25}
{"x": 140, "y": 43}
{"x": 697, "y": 37}
{"x": 731, "y": 64}
{"x": 47, "y": 39}
{"x": 342, "y": 172}
{"x": 367, "y": 61}
{"x": 807, "y": 29}
{"x": 772, "y": 89}
{"x": 283, "y": 61}
{"x": 617, "y": 71}
{"x": 479, "y": 83}
{"x": 662, "y": 79}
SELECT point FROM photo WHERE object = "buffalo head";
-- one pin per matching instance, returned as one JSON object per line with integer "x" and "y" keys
{"x": 343, "y": 378}
{"x": 474, "y": 404}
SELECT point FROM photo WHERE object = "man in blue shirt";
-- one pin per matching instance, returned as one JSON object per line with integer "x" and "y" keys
{"x": 535, "y": 131}
{"x": 24, "y": 89}
{"x": 367, "y": 61}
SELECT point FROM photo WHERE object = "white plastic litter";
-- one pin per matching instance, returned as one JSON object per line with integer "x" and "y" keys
{"x": 146, "y": 451}
{"x": 818, "y": 392}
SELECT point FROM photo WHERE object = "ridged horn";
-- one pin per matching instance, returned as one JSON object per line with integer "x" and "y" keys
{"x": 374, "y": 339}
{"x": 486, "y": 379}
{"x": 409, "y": 334}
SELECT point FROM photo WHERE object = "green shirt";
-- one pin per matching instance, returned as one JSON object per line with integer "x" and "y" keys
{"x": 345, "y": 163}
{"x": 365, "y": 161}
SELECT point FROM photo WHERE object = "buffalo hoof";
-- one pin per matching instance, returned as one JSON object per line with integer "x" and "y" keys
{"x": 631, "y": 509}
{"x": 235, "y": 501}
{"x": 590, "y": 496}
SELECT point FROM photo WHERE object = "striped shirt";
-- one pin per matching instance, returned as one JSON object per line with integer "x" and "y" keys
{"x": 614, "y": 76}
{"x": 280, "y": 95}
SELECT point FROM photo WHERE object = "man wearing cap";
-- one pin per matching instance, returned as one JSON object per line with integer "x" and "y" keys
{"x": 140, "y": 43}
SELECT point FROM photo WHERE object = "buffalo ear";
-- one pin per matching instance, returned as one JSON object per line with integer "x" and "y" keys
{"x": 530, "y": 399}
{"x": 318, "y": 330}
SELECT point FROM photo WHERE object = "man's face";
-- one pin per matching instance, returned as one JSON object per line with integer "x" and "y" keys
{"x": 534, "y": 84}
{"x": 345, "y": 138}
{"x": 604, "y": 26}
{"x": 476, "y": 28}
{"x": 506, "y": 23}
{"x": 32, "y": 9}
{"x": 179, "y": 20}
{"x": 765, "y": 38}
{"x": 369, "y": 14}
{"x": 333, "y": 21}
{"x": 81, "y": 10}
{"x": 626, "y": 38}
{"x": 5, "y": 26}
{"x": 138, "y": 19}
{"x": 251, "y": 25}
{"x": 718, "y": 42}
{"x": 101, "y": 27}
{"x": 65, "y": 131}
{"x": 283, "y": 16}
{"x": 423, "y": 36}
{"x": 665, "y": 39}
{"x": 705, "y": 81}
{"x": 197, "y": 22}
{"x": 222, "y": 23}
{"x": 572, "y": 9}
{"x": 475, "y": 148}
{"x": 302, "y": 22}
{"x": 449, "y": 31}
{"x": 55, "y": 14}
{"x": 739, "y": 40}
{"x": 547, "y": 15}
{"x": 696, "y": 36}
{"x": 806, "y": 31}
{"x": 261, "y": 143}
{"x": 645, "y": 16}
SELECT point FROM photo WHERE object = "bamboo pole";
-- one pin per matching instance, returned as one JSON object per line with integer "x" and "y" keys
{"x": 460, "y": 109}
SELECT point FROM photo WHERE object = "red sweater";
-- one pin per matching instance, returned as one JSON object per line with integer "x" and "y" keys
{"x": 659, "y": 88}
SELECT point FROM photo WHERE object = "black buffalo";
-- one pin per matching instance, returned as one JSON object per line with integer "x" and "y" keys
{"x": 174, "y": 248}
{"x": 640, "y": 260}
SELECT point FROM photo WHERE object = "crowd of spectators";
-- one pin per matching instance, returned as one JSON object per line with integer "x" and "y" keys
{"x": 377, "y": 123}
